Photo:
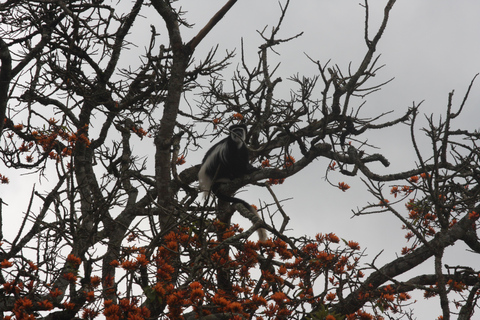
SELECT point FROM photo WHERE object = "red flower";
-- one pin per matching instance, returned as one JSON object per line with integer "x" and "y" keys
{"x": 279, "y": 297}
{"x": 237, "y": 116}
{"x": 70, "y": 277}
{"x": 73, "y": 260}
{"x": 289, "y": 161}
{"x": 142, "y": 260}
{"x": 332, "y": 237}
{"x": 56, "y": 293}
{"x": 413, "y": 179}
{"x": 114, "y": 263}
{"x": 331, "y": 296}
{"x": 181, "y": 160}
{"x": 5, "y": 264}
{"x": 265, "y": 163}
{"x": 353, "y": 245}
{"x": 129, "y": 265}
{"x": 272, "y": 181}
{"x": 473, "y": 215}
{"x": 343, "y": 186}
{"x": 332, "y": 166}
{"x": 384, "y": 202}
{"x": 69, "y": 305}
{"x": 45, "y": 305}
{"x": 4, "y": 179}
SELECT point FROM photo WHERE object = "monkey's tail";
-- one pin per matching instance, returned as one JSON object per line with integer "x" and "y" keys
{"x": 262, "y": 233}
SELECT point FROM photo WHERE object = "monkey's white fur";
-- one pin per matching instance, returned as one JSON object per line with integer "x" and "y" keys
{"x": 226, "y": 160}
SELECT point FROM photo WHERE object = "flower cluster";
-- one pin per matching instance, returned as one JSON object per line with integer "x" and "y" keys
{"x": 54, "y": 141}
{"x": 125, "y": 309}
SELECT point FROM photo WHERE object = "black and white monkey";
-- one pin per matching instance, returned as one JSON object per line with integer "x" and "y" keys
{"x": 225, "y": 161}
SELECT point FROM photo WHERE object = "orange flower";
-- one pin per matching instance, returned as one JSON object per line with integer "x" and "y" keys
{"x": 196, "y": 294}
{"x": 282, "y": 249}
{"x": 24, "y": 147}
{"x": 456, "y": 286}
{"x": 272, "y": 181}
{"x": 129, "y": 265}
{"x": 5, "y": 264}
{"x": 332, "y": 237}
{"x": 388, "y": 297}
{"x": 66, "y": 152}
{"x": 142, "y": 260}
{"x": 409, "y": 235}
{"x": 265, "y": 163}
{"x": 332, "y": 166}
{"x": 45, "y": 305}
{"x": 73, "y": 260}
{"x": 413, "y": 179}
{"x": 394, "y": 191}
{"x": 10, "y": 287}
{"x": 114, "y": 263}
{"x": 111, "y": 311}
{"x": 139, "y": 131}
{"x": 234, "y": 307}
{"x": 70, "y": 277}
{"x": 343, "y": 186}
{"x": 473, "y": 215}
{"x": 259, "y": 300}
{"x": 237, "y": 116}
{"x": 364, "y": 315}
{"x": 353, "y": 245}
{"x": 279, "y": 297}
{"x": 56, "y": 293}
{"x": 384, "y": 202}
{"x": 4, "y": 179}
{"x": 132, "y": 236}
{"x": 90, "y": 296}
{"x": 30, "y": 285}
{"x": 159, "y": 289}
{"x": 21, "y": 304}
{"x": 89, "y": 314}
{"x": 181, "y": 160}
{"x": 406, "y": 250}
{"x": 403, "y": 296}
{"x": 331, "y": 296}
{"x": 289, "y": 161}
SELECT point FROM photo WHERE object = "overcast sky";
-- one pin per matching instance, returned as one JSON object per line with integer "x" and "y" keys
{"x": 430, "y": 47}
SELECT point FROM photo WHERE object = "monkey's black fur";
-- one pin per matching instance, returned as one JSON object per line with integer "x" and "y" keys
{"x": 225, "y": 161}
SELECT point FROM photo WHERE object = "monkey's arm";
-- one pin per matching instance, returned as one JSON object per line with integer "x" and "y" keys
{"x": 251, "y": 169}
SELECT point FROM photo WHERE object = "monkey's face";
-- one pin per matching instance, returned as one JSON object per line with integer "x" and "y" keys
{"x": 238, "y": 133}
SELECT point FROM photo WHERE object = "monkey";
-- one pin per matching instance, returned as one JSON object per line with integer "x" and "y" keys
{"x": 225, "y": 161}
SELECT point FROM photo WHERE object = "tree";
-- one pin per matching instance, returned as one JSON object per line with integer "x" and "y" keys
{"x": 116, "y": 232}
